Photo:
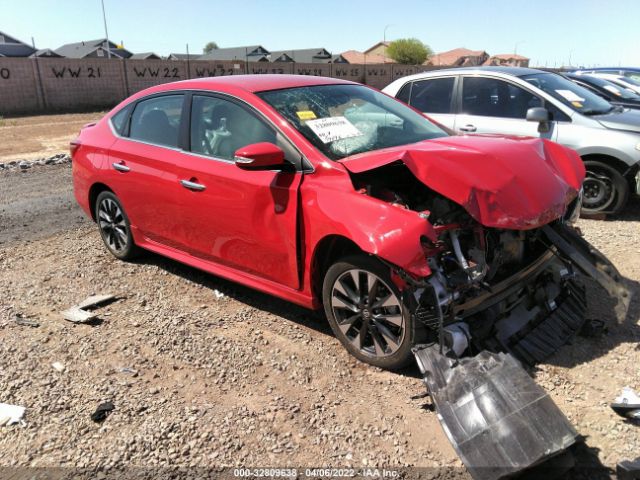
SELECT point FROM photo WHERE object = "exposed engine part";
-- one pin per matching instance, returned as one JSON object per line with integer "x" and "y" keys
{"x": 457, "y": 337}
{"x": 394, "y": 183}
{"x": 477, "y": 272}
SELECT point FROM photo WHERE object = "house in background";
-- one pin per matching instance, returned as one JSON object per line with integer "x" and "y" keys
{"x": 253, "y": 53}
{"x": 184, "y": 56}
{"x": 45, "y": 52}
{"x": 12, "y": 47}
{"x": 507, "y": 60}
{"x": 354, "y": 56}
{"x": 93, "y": 49}
{"x": 458, "y": 57}
{"x": 379, "y": 48}
{"x": 145, "y": 56}
{"x": 305, "y": 55}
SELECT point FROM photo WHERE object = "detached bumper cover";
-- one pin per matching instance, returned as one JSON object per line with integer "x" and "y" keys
{"x": 498, "y": 419}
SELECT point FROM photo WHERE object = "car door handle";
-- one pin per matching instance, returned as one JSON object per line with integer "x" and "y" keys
{"x": 468, "y": 128}
{"x": 192, "y": 185}
{"x": 120, "y": 167}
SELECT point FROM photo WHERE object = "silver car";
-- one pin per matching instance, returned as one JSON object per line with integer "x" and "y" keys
{"x": 524, "y": 101}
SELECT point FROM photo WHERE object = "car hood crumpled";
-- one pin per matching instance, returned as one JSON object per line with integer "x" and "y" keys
{"x": 503, "y": 182}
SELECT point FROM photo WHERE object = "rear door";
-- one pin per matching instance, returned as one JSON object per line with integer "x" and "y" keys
{"x": 433, "y": 96}
{"x": 494, "y": 105}
{"x": 239, "y": 218}
{"x": 142, "y": 166}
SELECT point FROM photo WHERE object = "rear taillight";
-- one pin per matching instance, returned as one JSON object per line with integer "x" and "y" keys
{"x": 73, "y": 146}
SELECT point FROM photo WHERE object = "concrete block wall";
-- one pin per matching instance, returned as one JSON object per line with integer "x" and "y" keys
{"x": 46, "y": 85}
{"x": 19, "y": 89}
{"x": 74, "y": 84}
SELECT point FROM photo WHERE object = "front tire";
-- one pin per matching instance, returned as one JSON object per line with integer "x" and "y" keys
{"x": 366, "y": 312}
{"x": 605, "y": 189}
{"x": 115, "y": 228}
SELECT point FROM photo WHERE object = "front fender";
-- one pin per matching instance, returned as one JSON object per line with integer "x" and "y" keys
{"x": 377, "y": 227}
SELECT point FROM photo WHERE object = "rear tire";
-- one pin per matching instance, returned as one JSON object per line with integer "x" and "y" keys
{"x": 366, "y": 312}
{"x": 605, "y": 189}
{"x": 115, "y": 227}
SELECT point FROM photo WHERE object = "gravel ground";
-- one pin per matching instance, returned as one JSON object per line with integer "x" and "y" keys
{"x": 243, "y": 379}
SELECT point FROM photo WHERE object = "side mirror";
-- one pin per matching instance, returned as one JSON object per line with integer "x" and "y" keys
{"x": 260, "y": 156}
{"x": 541, "y": 116}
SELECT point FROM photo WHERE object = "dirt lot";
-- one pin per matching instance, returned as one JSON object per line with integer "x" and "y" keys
{"x": 240, "y": 379}
{"x": 39, "y": 136}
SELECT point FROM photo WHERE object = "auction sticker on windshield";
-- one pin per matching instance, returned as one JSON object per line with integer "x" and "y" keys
{"x": 570, "y": 96}
{"x": 331, "y": 129}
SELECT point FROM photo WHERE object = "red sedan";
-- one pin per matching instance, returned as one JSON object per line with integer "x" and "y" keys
{"x": 333, "y": 195}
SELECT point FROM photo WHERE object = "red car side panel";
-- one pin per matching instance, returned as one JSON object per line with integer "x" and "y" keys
{"x": 243, "y": 219}
{"x": 150, "y": 190}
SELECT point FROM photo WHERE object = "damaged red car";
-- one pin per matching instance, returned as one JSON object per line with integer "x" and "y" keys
{"x": 333, "y": 195}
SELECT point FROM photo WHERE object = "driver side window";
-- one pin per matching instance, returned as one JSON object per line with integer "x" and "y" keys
{"x": 219, "y": 127}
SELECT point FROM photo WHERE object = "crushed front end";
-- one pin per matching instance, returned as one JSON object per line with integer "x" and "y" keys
{"x": 495, "y": 294}
{"x": 514, "y": 290}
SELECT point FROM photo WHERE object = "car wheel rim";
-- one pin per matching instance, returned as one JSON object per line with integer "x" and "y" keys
{"x": 598, "y": 192}
{"x": 368, "y": 313}
{"x": 112, "y": 225}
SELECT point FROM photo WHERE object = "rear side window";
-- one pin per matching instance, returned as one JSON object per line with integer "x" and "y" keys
{"x": 491, "y": 97}
{"x": 157, "y": 120}
{"x": 433, "y": 95}
{"x": 120, "y": 120}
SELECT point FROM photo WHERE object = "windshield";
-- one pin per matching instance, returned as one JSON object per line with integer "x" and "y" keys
{"x": 342, "y": 120}
{"x": 617, "y": 90}
{"x": 574, "y": 96}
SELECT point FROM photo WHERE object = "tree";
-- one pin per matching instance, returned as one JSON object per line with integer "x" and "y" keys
{"x": 409, "y": 51}
{"x": 210, "y": 47}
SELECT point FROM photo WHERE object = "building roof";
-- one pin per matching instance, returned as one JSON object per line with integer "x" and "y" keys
{"x": 303, "y": 55}
{"x": 82, "y": 49}
{"x": 354, "y": 56}
{"x": 452, "y": 57}
{"x": 379, "y": 44}
{"x": 45, "y": 52}
{"x": 184, "y": 56}
{"x": 145, "y": 56}
{"x": 509, "y": 56}
{"x": 12, "y": 47}
{"x": 252, "y": 53}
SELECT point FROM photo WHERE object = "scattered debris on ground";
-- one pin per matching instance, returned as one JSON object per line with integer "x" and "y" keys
{"x": 87, "y": 309}
{"x": 58, "y": 367}
{"x": 25, "y": 322}
{"x": 627, "y": 404}
{"x": 102, "y": 412}
{"x": 10, "y": 414}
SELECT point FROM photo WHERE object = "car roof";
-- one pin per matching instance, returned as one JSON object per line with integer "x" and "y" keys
{"x": 618, "y": 69}
{"x": 251, "y": 83}
{"x": 511, "y": 71}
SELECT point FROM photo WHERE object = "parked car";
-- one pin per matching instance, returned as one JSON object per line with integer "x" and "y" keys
{"x": 629, "y": 72}
{"x": 331, "y": 194}
{"x": 621, "y": 80}
{"x": 613, "y": 93}
{"x": 524, "y": 101}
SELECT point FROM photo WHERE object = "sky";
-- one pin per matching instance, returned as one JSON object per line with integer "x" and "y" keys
{"x": 550, "y": 33}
